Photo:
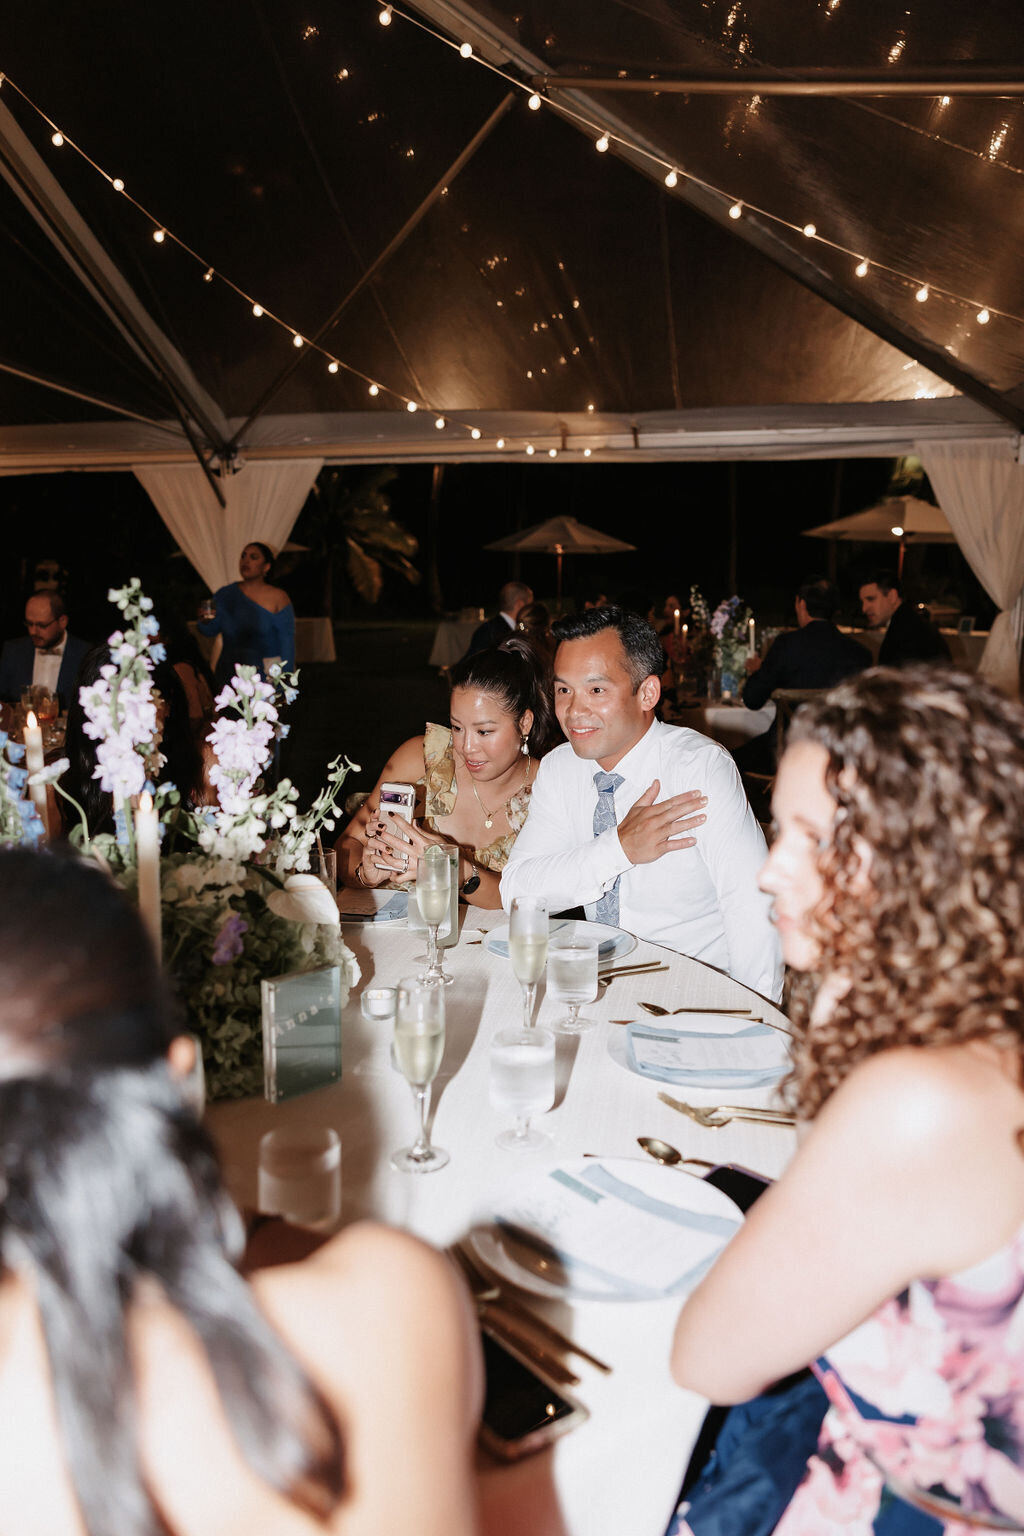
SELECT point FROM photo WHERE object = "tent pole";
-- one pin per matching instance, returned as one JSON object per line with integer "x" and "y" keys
{"x": 839, "y": 80}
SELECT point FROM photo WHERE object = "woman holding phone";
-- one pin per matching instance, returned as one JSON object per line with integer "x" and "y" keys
{"x": 471, "y": 780}
{"x": 890, "y": 1255}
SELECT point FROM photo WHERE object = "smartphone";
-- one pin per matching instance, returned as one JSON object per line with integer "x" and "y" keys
{"x": 522, "y": 1412}
{"x": 399, "y": 798}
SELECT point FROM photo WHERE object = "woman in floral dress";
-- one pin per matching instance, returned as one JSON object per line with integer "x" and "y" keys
{"x": 891, "y": 1253}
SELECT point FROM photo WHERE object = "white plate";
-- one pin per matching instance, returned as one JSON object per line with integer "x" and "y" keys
{"x": 651, "y": 1235}
{"x": 708, "y": 1083}
{"x": 612, "y": 943}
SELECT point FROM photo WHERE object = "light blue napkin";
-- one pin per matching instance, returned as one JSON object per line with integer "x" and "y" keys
{"x": 702, "y": 1077}
{"x": 397, "y": 907}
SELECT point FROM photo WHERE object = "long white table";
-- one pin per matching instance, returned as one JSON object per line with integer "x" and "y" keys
{"x": 620, "y": 1471}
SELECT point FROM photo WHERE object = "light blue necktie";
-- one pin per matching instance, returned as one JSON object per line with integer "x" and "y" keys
{"x": 607, "y": 908}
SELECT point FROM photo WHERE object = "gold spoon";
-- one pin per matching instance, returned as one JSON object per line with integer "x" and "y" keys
{"x": 664, "y": 1152}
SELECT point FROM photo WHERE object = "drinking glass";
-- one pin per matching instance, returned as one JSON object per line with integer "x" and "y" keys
{"x": 419, "y": 1046}
{"x": 47, "y": 707}
{"x": 323, "y": 862}
{"x": 522, "y": 1082}
{"x": 300, "y": 1175}
{"x": 433, "y": 892}
{"x": 528, "y": 947}
{"x": 207, "y": 609}
{"x": 572, "y": 979}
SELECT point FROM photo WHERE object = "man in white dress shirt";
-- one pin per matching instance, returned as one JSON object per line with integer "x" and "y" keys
{"x": 611, "y": 809}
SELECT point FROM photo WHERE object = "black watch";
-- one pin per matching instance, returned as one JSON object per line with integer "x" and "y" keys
{"x": 469, "y": 886}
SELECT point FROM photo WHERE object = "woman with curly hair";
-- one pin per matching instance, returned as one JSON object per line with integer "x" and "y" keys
{"x": 891, "y": 1253}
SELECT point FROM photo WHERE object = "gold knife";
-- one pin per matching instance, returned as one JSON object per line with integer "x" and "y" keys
{"x": 521, "y": 1313}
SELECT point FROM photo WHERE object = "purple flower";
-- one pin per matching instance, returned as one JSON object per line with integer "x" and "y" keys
{"x": 228, "y": 943}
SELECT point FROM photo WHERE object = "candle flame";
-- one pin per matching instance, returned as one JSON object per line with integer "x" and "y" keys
{"x": 31, "y": 722}
{"x": 146, "y": 803}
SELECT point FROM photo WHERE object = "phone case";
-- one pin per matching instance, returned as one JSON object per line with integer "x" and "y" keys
{"x": 536, "y": 1440}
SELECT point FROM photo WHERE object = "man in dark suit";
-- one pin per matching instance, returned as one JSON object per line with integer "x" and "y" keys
{"x": 909, "y": 633}
{"x": 512, "y": 598}
{"x": 814, "y": 655}
{"x": 46, "y": 657}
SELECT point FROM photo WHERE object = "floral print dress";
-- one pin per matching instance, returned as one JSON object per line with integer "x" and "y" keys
{"x": 441, "y": 792}
{"x": 925, "y": 1428}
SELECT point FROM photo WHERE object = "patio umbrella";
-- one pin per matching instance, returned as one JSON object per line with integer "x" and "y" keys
{"x": 561, "y": 536}
{"x": 897, "y": 517}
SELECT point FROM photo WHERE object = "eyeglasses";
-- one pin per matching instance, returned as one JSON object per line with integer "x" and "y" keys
{"x": 50, "y": 624}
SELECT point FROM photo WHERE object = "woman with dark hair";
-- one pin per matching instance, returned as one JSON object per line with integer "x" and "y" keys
{"x": 475, "y": 775}
{"x": 146, "y": 1388}
{"x": 255, "y": 619}
{"x": 891, "y": 1252}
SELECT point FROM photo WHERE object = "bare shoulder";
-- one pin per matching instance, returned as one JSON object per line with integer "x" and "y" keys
{"x": 406, "y": 762}
{"x": 280, "y": 598}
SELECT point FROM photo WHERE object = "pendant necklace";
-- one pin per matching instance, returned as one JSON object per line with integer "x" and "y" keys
{"x": 490, "y": 815}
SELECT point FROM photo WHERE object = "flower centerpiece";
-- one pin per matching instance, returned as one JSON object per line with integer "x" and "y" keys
{"x": 701, "y": 642}
{"x": 235, "y": 905}
{"x": 730, "y": 629}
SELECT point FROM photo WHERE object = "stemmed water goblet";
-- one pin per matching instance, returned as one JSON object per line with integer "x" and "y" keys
{"x": 528, "y": 947}
{"x": 433, "y": 893}
{"x": 522, "y": 1082}
{"x": 419, "y": 1046}
{"x": 572, "y": 979}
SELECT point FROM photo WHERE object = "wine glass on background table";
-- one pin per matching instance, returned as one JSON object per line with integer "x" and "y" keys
{"x": 572, "y": 979}
{"x": 419, "y": 1046}
{"x": 528, "y": 947}
{"x": 433, "y": 893}
{"x": 522, "y": 1083}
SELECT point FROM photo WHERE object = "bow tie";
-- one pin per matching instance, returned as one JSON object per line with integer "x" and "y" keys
{"x": 49, "y": 650}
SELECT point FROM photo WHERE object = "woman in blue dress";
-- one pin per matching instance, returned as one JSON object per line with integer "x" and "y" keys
{"x": 256, "y": 620}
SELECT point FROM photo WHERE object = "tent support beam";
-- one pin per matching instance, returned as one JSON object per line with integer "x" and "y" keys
{"x": 78, "y": 394}
{"x": 927, "y": 80}
{"x": 500, "y": 45}
{"x": 39, "y": 192}
{"x": 396, "y": 241}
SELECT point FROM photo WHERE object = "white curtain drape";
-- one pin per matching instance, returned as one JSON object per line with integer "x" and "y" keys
{"x": 980, "y": 486}
{"x": 263, "y": 500}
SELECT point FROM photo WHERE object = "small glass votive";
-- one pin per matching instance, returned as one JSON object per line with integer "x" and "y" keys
{"x": 324, "y": 864}
{"x": 300, "y": 1176}
{"x": 377, "y": 1006}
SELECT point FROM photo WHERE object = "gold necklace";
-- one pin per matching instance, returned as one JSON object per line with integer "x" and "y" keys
{"x": 490, "y": 815}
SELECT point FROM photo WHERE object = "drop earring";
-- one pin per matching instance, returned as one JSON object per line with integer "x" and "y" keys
{"x": 524, "y": 746}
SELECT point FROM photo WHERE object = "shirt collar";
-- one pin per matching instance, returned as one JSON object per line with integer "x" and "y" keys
{"x": 56, "y": 650}
{"x": 631, "y": 766}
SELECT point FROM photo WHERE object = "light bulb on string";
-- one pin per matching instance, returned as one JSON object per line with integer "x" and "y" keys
{"x": 298, "y": 341}
{"x": 374, "y": 389}
{"x": 534, "y": 102}
{"x": 922, "y": 294}
{"x": 810, "y": 230}
{"x": 530, "y": 449}
{"x": 476, "y": 434}
{"x": 736, "y": 211}
{"x": 672, "y": 179}
{"x": 602, "y": 144}
{"x": 983, "y": 317}
{"x": 440, "y": 423}
{"x": 257, "y": 310}
{"x": 896, "y": 531}
{"x": 117, "y": 184}
{"x": 861, "y": 269}
{"x": 410, "y": 405}
{"x": 466, "y": 50}
{"x": 586, "y": 453}
{"x": 590, "y": 405}
{"x": 385, "y": 16}
{"x": 208, "y": 275}
{"x": 500, "y": 443}
{"x": 332, "y": 366}
{"x": 552, "y": 453}
{"x": 159, "y": 235}
{"x": 57, "y": 139}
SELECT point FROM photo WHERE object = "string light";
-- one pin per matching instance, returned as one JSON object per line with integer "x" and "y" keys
{"x": 530, "y": 449}
{"x": 861, "y": 269}
{"x": 374, "y": 389}
{"x": 983, "y": 317}
{"x": 922, "y": 294}
{"x": 500, "y": 443}
{"x": 208, "y": 275}
{"x": 466, "y": 50}
{"x": 810, "y": 230}
{"x": 534, "y": 103}
{"x": 586, "y": 453}
{"x": 602, "y": 144}
{"x": 410, "y": 405}
{"x": 159, "y": 235}
{"x": 297, "y": 340}
{"x": 590, "y": 405}
{"x": 440, "y": 423}
{"x": 736, "y": 211}
{"x": 117, "y": 184}
{"x": 896, "y": 531}
{"x": 552, "y": 453}
{"x": 257, "y": 310}
{"x": 475, "y": 434}
{"x": 332, "y": 366}
{"x": 672, "y": 179}
{"x": 57, "y": 139}
{"x": 385, "y": 16}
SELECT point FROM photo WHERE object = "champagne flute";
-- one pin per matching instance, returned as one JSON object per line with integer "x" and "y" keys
{"x": 528, "y": 947}
{"x": 572, "y": 979}
{"x": 433, "y": 892}
{"x": 419, "y": 1046}
{"x": 522, "y": 1082}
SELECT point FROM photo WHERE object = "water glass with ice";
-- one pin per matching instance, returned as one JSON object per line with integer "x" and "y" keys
{"x": 522, "y": 1083}
{"x": 300, "y": 1175}
{"x": 572, "y": 979}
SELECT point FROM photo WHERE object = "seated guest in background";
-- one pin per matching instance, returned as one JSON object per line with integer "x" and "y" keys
{"x": 606, "y": 839}
{"x": 48, "y": 657}
{"x": 814, "y": 655}
{"x": 147, "y": 1386}
{"x": 184, "y": 655}
{"x": 512, "y": 599}
{"x": 893, "y": 1245}
{"x": 594, "y": 600}
{"x": 474, "y": 776}
{"x": 534, "y": 624}
{"x": 909, "y": 633}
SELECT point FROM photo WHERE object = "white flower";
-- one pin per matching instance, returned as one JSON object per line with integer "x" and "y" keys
{"x": 305, "y": 899}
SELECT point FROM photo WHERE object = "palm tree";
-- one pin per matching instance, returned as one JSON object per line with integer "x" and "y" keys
{"x": 348, "y": 517}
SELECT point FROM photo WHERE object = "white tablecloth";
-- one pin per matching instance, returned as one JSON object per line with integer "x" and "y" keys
{"x": 451, "y": 641}
{"x": 731, "y": 724}
{"x": 618, "y": 1474}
